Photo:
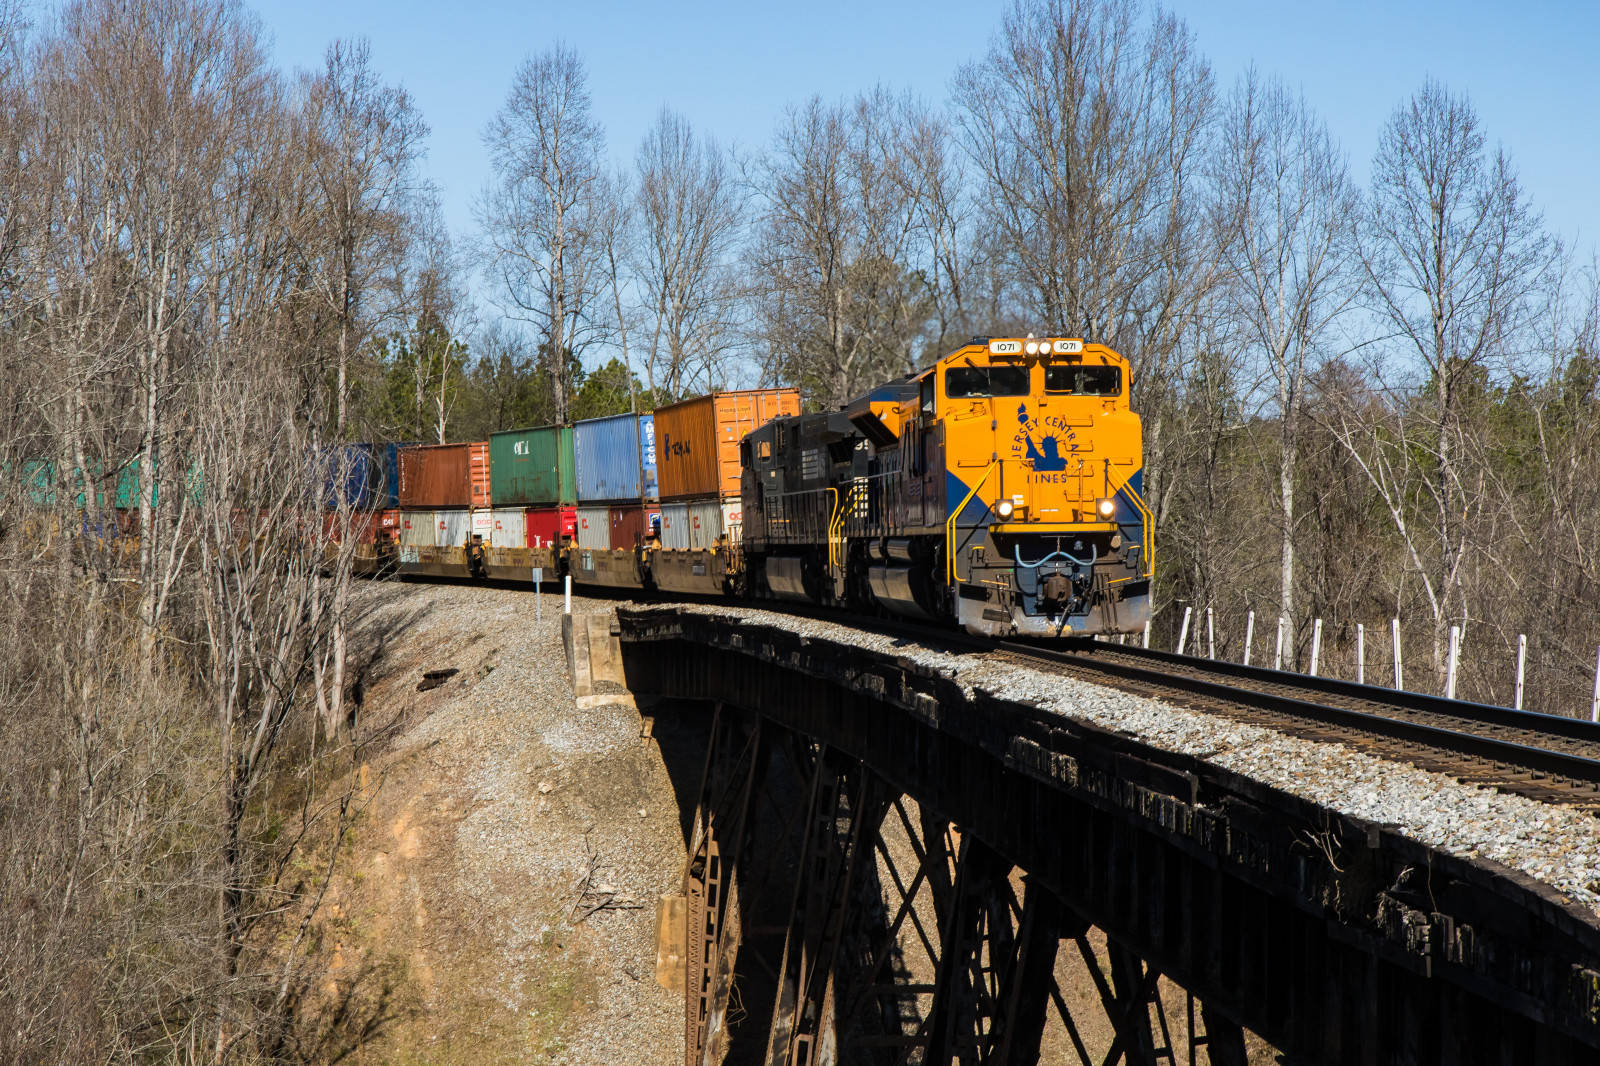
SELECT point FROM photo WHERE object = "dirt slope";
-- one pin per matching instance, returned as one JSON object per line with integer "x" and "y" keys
{"x": 493, "y": 798}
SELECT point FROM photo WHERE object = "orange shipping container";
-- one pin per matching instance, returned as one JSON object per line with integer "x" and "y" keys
{"x": 445, "y": 475}
{"x": 697, "y": 441}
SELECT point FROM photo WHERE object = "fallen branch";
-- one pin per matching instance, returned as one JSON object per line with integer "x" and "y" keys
{"x": 593, "y": 897}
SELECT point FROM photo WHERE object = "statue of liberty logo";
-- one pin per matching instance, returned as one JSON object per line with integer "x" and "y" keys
{"x": 1046, "y": 455}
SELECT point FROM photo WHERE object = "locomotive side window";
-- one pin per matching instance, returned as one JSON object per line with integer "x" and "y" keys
{"x": 1078, "y": 379}
{"x": 979, "y": 382}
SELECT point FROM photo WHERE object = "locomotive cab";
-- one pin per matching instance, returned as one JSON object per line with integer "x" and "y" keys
{"x": 1047, "y": 531}
{"x": 1006, "y": 491}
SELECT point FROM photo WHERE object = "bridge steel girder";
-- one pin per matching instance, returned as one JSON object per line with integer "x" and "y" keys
{"x": 1339, "y": 941}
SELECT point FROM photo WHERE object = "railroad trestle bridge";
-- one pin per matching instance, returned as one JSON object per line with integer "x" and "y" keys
{"x": 885, "y": 866}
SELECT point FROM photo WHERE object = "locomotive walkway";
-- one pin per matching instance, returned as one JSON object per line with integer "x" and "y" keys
{"x": 893, "y": 847}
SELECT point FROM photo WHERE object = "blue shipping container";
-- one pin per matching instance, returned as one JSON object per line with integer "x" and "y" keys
{"x": 647, "y": 456}
{"x": 360, "y": 476}
{"x": 388, "y": 493}
{"x": 606, "y": 458}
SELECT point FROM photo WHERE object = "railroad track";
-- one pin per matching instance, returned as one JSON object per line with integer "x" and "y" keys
{"x": 1544, "y": 757}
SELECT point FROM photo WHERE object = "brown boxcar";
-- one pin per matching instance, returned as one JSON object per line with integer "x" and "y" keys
{"x": 629, "y": 525}
{"x": 363, "y": 527}
{"x": 697, "y": 441}
{"x": 445, "y": 476}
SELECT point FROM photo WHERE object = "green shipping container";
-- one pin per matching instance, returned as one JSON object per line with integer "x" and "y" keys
{"x": 38, "y": 483}
{"x": 128, "y": 488}
{"x": 532, "y": 467}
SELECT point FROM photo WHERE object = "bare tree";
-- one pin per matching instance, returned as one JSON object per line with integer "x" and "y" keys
{"x": 368, "y": 137}
{"x": 1086, "y": 128}
{"x": 840, "y": 305}
{"x": 689, "y": 217}
{"x": 1452, "y": 255}
{"x": 1080, "y": 143}
{"x": 928, "y": 166}
{"x": 539, "y": 218}
{"x": 615, "y": 227}
{"x": 149, "y": 312}
{"x": 443, "y": 313}
{"x": 1285, "y": 210}
{"x": 170, "y": 84}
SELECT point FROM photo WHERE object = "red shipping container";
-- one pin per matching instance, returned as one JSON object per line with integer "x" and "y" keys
{"x": 548, "y": 526}
{"x": 445, "y": 476}
{"x": 363, "y": 527}
{"x": 629, "y": 526}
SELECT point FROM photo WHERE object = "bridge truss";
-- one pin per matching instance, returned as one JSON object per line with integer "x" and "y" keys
{"x": 885, "y": 867}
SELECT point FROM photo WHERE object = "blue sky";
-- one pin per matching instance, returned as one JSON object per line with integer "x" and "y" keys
{"x": 732, "y": 67}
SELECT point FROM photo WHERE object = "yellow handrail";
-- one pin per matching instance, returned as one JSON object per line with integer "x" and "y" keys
{"x": 950, "y": 524}
{"x": 1149, "y": 528}
{"x": 833, "y": 517}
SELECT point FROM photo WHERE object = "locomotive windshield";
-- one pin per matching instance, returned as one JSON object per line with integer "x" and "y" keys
{"x": 1077, "y": 379}
{"x": 976, "y": 382}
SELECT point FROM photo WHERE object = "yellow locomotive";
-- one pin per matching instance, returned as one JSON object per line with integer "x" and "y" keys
{"x": 998, "y": 488}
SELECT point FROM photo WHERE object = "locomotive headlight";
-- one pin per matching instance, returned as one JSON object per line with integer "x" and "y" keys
{"x": 1005, "y": 508}
{"x": 1032, "y": 347}
{"x": 1105, "y": 507}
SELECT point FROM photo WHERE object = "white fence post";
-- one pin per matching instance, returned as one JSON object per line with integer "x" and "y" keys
{"x": 1316, "y": 646}
{"x": 1522, "y": 661}
{"x": 1277, "y": 656}
{"x": 1147, "y": 633}
{"x": 1594, "y": 704}
{"x": 1211, "y": 637}
{"x": 1394, "y": 630}
{"x": 1249, "y": 634}
{"x": 1183, "y": 634}
{"x": 1361, "y": 653}
{"x": 1450, "y": 669}
{"x": 566, "y": 600}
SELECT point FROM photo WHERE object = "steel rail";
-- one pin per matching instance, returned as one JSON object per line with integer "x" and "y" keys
{"x": 1556, "y": 763}
{"x": 1485, "y": 713}
{"x": 1572, "y": 773}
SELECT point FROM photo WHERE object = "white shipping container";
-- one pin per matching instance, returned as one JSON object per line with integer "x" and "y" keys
{"x": 705, "y": 524}
{"x": 696, "y": 526}
{"x": 594, "y": 528}
{"x": 510, "y": 528}
{"x": 417, "y": 529}
{"x": 675, "y": 526}
{"x": 483, "y": 524}
{"x": 451, "y": 528}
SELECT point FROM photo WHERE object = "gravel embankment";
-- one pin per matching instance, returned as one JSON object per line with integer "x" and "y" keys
{"x": 497, "y": 794}
{"x": 1557, "y": 845}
